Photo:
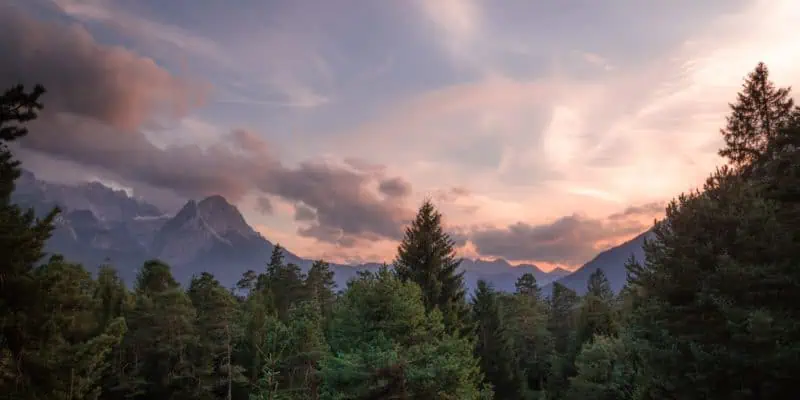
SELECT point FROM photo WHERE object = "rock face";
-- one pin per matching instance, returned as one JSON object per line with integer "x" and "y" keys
{"x": 102, "y": 225}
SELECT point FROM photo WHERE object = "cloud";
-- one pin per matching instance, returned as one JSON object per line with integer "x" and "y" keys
{"x": 94, "y": 119}
{"x": 109, "y": 84}
{"x": 641, "y": 132}
{"x": 395, "y": 187}
{"x": 569, "y": 240}
{"x": 304, "y": 213}
{"x": 168, "y": 38}
{"x": 458, "y": 21}
{"x": 644, "y": 210}
{"x": 452, "y": 194}
{"x": 264, "y": 205}
{"x": 283, "y": 76}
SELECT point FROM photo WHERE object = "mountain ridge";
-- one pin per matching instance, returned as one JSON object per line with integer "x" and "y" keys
{"x": 209, "y": 235}
{"x": 611, "y": 261}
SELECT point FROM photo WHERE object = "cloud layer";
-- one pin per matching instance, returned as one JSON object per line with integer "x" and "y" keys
{"x": 546, "y": 131}
{"x": 100, "y": 98}
{"x": 569, "y": 240}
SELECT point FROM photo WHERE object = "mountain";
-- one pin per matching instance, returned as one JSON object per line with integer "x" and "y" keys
{"x": 105, "y": 203}
{"x": 101, "y": 225}
{"x": 611, "y": 261}
{"x": 503, "y": 275}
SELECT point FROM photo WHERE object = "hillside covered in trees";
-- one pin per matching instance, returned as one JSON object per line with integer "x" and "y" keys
{"x": 711, "y": 312}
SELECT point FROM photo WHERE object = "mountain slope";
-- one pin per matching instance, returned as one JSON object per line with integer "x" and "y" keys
{"x": 611, "y": 261}
{"x": 105, "y": 203}
{"x": 212, "y": 236}
{"x": 99, "y": 225}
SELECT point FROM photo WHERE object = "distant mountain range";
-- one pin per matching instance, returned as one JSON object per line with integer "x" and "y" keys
{"x": 101, "y": 225}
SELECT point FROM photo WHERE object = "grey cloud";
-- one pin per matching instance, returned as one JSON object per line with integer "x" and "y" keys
{"x": 83, "y": 76}
{"x": 460, "y": 236}
{"x": 365, "y": 166}
{"x": 341, "y": 199}
{"x": 91, "y": 118}
{"x": 648, "y": 210}
{"x": 569, "y": 240}
{"x": 303, "y": 213}
{"x": 264, "y": 205}
{"x": 395, "y": 187}
{"x": 328, "y": 234}
{"x": 452, "y": 194}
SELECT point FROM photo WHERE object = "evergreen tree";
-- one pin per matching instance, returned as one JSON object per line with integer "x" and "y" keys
{"x": 308, "y": 347}
{"x": 605, "y": 371}
{"x": 114, "y": 298}
{"x": 384, "y": 345}
{"x": 216, "y": 324}
{"x": 272, "y": 351}
{"x": 561, "y": 324}
{"x": 527, "y": 320}
{"x": 114, "y": 302}
{"x": 596, "y": 314}
{"x": 527, "y": 285}
{"x": 758, "y": 115}
{"x": 321, "y": 287}
{"x": 426, "y": 256}
{"x": 161, "y": 337}
{"x": 493, "y": 346}
{"x": 69, "y": 359}
{"x": 276, "y": 261}
{"x": 283, "y": 282}
{"x": 713, "y": 296}
{"x": 247, "y": 282}
{"x": 721, "y": 305}
{"x": 22, "y": 239}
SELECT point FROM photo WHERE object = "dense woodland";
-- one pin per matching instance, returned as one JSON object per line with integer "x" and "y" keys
{"x": 711, "y": 313}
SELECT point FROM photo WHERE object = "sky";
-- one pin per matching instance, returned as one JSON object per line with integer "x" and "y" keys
{"x": 545, "y": 131}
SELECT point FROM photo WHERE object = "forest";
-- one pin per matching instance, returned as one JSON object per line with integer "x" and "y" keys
{"x": 710, "y": 313}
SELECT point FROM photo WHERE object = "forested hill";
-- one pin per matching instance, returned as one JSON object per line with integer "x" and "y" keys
{"x": 710, "y": 313}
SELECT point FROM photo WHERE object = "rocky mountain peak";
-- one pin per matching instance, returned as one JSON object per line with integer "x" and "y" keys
{"x": 223, "y": 216}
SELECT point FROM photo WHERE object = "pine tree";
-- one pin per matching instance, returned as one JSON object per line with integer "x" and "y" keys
{"x": 320, "y": 287}
{"x": 527, "y": 318}
{"x": 284, "y": 283}
{"x": 307, "y": 348}
{"x": 216, "y": 323}
{"x": 605, "y": 371}
{"x": 596, "y": 314}
{"x": 561, "y": 324}
{"x": 760, "y": 112}
{"x": 711, "y": 305}
{"x": 247, "y": 282}
{"x": 114, "y": 302}
{"x": 713, "y": 297}
{"x": 527, "y": 285}
{"x": 160, "y": 338}
{"x": 385, "y": 345}
{"x": 22, "y": 239}
{"x": 276, "y": 261}
{"x": 493, "y": 344}
{"x": 426, "y": 256}
{"x": 272, "y": 351}
{"x": 70, "y": 356}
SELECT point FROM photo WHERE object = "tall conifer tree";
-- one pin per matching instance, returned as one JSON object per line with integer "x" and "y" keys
{"x": 760, "y": 112}
{"x": 22, "y": 239}
{"x": 427, "y": 257}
